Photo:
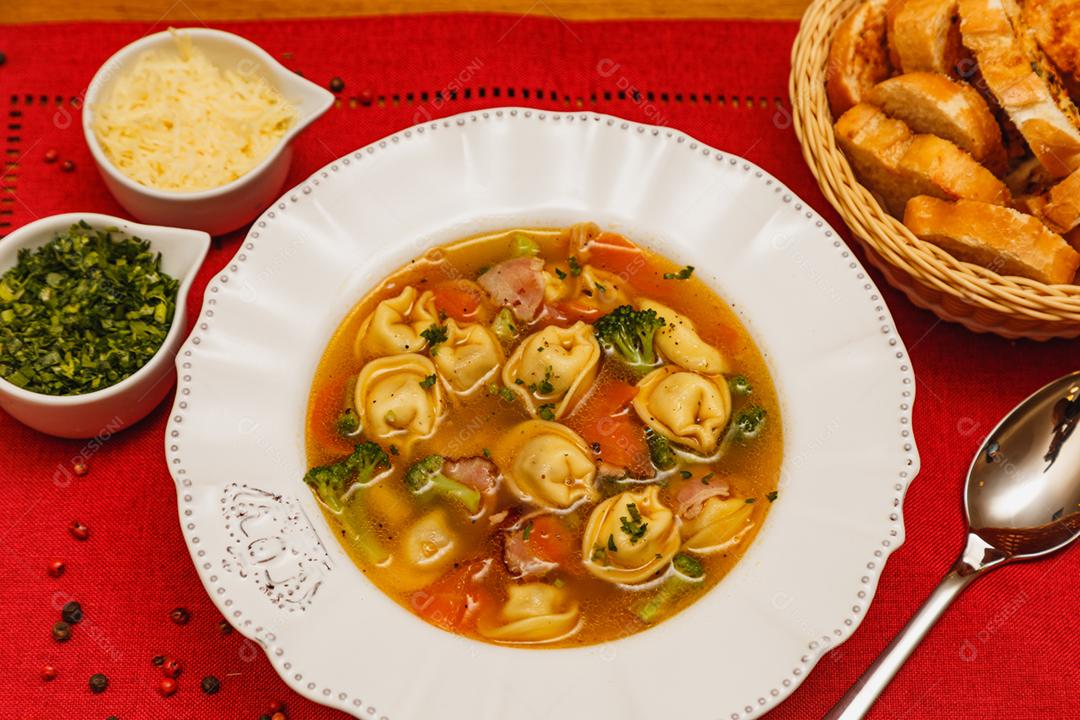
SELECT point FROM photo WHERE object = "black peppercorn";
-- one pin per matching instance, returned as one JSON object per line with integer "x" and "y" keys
{"x": 225, "y": 627}
{"x": 210, "y": 685}
{"x": 158, "y": 660}
{"x": 72, "y": 613}
{"x": 3, "y": 58}
{"x": 98, "y": 683}
{"x": 336, "y": 84}
{"x": 61, "y": 632}
{"x": 180, "y": 616}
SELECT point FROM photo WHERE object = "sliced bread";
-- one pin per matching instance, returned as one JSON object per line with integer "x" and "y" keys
{"x": 1061, "y": 211}
{"x": 896, "y": 165}
{"x": 1056, "y": 25}
{"x": 857, "y": 57}
{"x": 998, "y": 238}
{"x": 1023, "y": 81}
{"x": 924, "y": 35}
{"x": 935, "y": 104}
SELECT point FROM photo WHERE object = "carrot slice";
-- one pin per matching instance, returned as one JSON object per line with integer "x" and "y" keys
{"x": 454, "y": 601}
{"x": 604, "y": 421}
{"x": 463, "y": 300}
{"x": 326, "y": 407}
{"x": 550, "y": 539}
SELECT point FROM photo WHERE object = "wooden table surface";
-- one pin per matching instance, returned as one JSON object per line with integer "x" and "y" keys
{"x": 19, "y": 11}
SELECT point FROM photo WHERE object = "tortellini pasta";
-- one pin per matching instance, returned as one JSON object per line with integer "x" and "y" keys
{"x": 469, "y": 355}
{"x": 678, "y": 341}
{"x": 534, "y": 612}
{"x": 547, "y": 464}
{"x": 396, "y": 323}
{"x": 427, "y": 550}
{"x": 630, "y": 537}
{"x": 395, "y": 396}
{"x": 721, "y": 523}
{"x": 552, "y": 369}
{"x": 688, "y": 409}
{"x": 594, "y": 291}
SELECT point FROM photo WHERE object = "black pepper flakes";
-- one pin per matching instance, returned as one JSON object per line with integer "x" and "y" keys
{"x": 98, "y": 683}
{"x": 210, "y": 685}
{"x": 180, "y": 616}
{"x": 61, "y": 631}
{"x": 72, "y": 613}
{"x": 336, "y": 84}
{"x": 225, "y": 627}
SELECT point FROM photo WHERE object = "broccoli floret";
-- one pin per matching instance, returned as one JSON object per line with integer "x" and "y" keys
{"x": 348, "y": 423}
{"x": 740, "y": 385}
{"x": 630, "y": 333}
{"x": 688, "y": 576}
{"x": 749, "y": 422}
{"x": 660, "y": 450}
{"x": 427, "y": 475}
{"x": 331, "y": 482}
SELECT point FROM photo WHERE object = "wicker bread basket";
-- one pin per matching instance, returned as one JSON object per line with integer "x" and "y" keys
{"x": 979, "y": 299}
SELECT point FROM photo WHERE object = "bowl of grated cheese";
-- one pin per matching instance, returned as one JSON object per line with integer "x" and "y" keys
{"x": 194, "y": 128}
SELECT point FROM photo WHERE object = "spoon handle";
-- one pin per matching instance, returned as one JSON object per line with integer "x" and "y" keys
{"x": 857, "y": 701}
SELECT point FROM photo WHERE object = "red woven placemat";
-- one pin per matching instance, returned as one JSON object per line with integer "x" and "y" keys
{"x": 1006, "y": 651}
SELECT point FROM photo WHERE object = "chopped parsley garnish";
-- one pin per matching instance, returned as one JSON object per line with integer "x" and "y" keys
{"x": 486, "y": 453}
{"x": 632, "y": 526}
{"x": 546, "y": 411}
{"x": 519, "y": 381}
{"x": 683, "y": 274}
{"x": 428, "y": 382}
{"x": 560, "y": 274}
{"x": 575, "y": 266}
{"x": 526, "y": 531}
{"x": 504, "y": 392}
{"x": 545, "y": 387}
{"x": 393, "y": 450}
{"x": 83, "y": 312}
{"x": 772, "y": 495}
{"x": 611, "y": 543}
{"x": 686, "y": 474}
{"x": 751, "y": 501}
{"x": 347, "y": 423}
{"x": 705, "y": 480}
{"x": 435, "y": 335}
{"x": 601, "y": 288}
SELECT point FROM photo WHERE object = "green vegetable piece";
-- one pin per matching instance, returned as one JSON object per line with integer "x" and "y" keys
{"x": 689, "y": 566}
{"x": 82, "y": 312}
{"x": 427, "y": 476}
{"x": 772, "y": 495}
{"x": 546, "y": 411}
{"x": 523, "y": 246}
{"x": 575, "y": 266}
{"x": 683, "y": 274}
{"x": 427, "y": 382}
{"x": 348, "y": 423}
{"x": 660, "y": 450}
{"x": 630, "y": 333}
{"x": 504, "y": 327}
{"x": 740, "y": 385}
{"x": 332, "y": 482}
{"x": 435, "y": 336}
{"x": 750, "y": 421}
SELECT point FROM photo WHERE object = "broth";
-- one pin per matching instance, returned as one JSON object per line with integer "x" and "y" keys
{"x": 458, "y": 569}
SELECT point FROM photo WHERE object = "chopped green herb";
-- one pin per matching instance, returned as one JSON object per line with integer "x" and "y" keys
{"x": 503, "y": 326}
{"x": 347, "y": 423}
{"x": 526, "y": 531}
{"x": 705, "y": 479}
{"x": 504, "y": 392}
{"x": 560, "y": 274}
{"x": 751, "y": 501}
{"x": 575, "y": 266}
{"x": 486, "y": 453}
{"x": 686, "y": 474}
{"x": 393, "y": 450}
{"x": 632, "y": 526}
{"x": 772, "y": 495}
{"x": 435, "y": 335}
{"x": 601, "y": 288}
{"x": 428, "y": 382}
{"x": 559, "y": 583}
{"x": 546, "y": 411}
{"x": 545, "y": 387}
{"x": 683, "y": 274}
{"x": 660, "y": 450}
{"x": 611, "y": 543}
{"x": 523, "y": 246}
{"x": 83, "y": 312}
{"x": 519, "y": 381}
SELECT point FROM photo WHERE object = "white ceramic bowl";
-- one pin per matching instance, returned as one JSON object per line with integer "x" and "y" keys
{"x": 234, "y": 204}
{"x": 128, "y": 401}
{"x": 235, "y": 438}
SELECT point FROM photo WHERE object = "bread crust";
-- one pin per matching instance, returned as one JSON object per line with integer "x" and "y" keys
{"x": 1022, "y": 80}
{"x": 1061, "y": 209}
{"x": 924, "y": 36}
{"x": 995, "y": 237}
{"x": 1056, "y": 26}
{"x": 934, "y": 103}
{"x": 857, "y": 57}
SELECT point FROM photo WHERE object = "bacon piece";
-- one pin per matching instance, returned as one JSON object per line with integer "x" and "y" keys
{"x": 517, "y": 284}
{"x": 692, "y": 495}
{"x": 477, "y": 472}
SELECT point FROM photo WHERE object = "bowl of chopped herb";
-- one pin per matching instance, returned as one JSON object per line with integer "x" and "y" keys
{"x": 92, "y": 313}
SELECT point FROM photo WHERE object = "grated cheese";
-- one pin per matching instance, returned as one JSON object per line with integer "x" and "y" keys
{"x": 176, "y": 121}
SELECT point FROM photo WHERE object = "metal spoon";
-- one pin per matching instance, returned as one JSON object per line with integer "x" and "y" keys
{"x": 1022, "y": 501}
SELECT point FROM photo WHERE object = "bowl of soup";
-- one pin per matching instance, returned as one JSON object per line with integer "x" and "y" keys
{"x": 520, "y": 412}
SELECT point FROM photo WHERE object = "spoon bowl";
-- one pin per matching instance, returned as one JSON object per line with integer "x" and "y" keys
{"x": 1022, "y": 501}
